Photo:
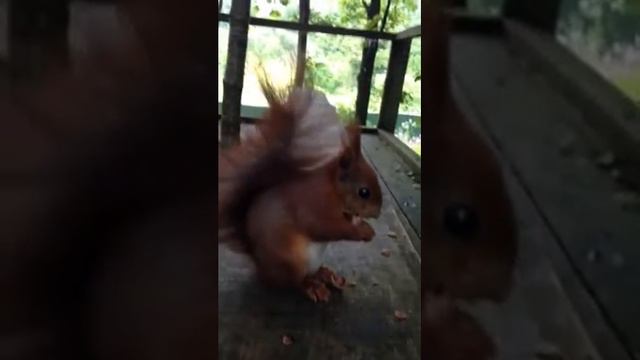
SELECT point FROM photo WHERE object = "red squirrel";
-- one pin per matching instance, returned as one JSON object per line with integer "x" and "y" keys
{"x": 451, "y": 334}
{"x": 300, "y": 179}
{"x": 471, "y": 234}
{"x": 471, "y": 237}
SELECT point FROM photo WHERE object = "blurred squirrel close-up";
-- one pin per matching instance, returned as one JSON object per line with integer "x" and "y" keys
{"x": 108, "y": 179}
{"x": 470, "y": 243}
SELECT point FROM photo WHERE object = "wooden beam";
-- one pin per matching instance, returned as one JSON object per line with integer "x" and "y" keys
{"x": 606, "y": 110}
{"x": 301, "y": 56}
{"x": 410, "y": 33}
{"x": 253, "y": 120}
{"x": 326, "y": 29}
{"x": 37, "y": 37}
{"x": 234, "y": 72}
{"x": 465, "y": 22}
{"x": 540, "y": 14}
{"x": 392, "y": 92}
{"x": 406, "y": 153}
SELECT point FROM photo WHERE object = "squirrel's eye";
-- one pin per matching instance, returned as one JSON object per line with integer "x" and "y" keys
{"x": 460, "y": 220}
{"x": 364, "y": 193}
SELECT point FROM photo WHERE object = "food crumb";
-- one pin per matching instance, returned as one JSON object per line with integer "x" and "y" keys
{"x": 287, "y": 340}
{"x": 400, "y": 315}
{"x": 392, "y": 234}
{"x": 386, "y": 252}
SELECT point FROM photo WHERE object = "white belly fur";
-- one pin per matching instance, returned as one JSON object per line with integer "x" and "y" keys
{"x": 315, "y": 253}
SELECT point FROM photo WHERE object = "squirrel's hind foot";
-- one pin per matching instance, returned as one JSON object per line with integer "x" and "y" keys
{"x": 329, "y": 277}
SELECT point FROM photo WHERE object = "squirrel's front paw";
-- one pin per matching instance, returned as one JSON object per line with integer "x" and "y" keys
{"x": 315, "y": 289}
{"x": 329, "y": 277}
{"x": 365, "y": 232}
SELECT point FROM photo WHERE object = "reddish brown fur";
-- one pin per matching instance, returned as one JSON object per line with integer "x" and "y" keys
{"x": 117, "y": 259}
{"x": 288, "y": 208}
{"x": 451, "y": 334}
{"x": 460, "y": 168}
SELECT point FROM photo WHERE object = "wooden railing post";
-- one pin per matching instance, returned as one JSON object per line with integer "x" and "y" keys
{"x": 37, "y": 37}
{"x": 234, "y": 72}
{"x": 540, "y": 14}
{"x": 392, "y": 93}
{"x": 302, "y": 43}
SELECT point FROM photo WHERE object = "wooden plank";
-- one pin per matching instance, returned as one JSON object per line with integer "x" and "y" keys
{"x": 301, "y": 56}
{"x": 252, "y": 120}
{"x": 357, "y": 324}
{"x": 234, "y": 72}
{"x": 406, "y": 153}
{"x": 538, "y": 306}
{"x": 37, "y": 37}
{"x": 463, "y": 22}
{"x": 611, "y": 114}
{"x": 399, "y": 177}
{"x": 575, "y": 198}
{"x": 541, "y": 14}
{"x": 392, "y": 92}
{"x": 315, "y": 28}
{"x": 410, "y": 33}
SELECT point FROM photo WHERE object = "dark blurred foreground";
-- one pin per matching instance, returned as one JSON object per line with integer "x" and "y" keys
{"x": 106, "y": 196}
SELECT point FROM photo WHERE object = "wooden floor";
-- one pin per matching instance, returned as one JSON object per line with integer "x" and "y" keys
{"x": 578, "y": 272}
{"x": 358, "y": 324}
{"x": 576, "y": 287}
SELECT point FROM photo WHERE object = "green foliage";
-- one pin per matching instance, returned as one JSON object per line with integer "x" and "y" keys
{"x": 604, "y": 33}
{"x": 352, "y": 14}
{"x": 630, "y": 84}
{"x": 345, "y": 113}
{"x": 275, "y": 9}
{"x": 333, "y": 61}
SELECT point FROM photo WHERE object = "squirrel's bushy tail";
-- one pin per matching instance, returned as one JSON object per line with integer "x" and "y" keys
{"x": 299, "y": 132}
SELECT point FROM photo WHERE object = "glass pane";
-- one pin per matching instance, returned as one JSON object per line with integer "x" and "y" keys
{"x": 485, "y": 7}
{"x": 275, "y": 50}
{"x": 226, "y": 6}
{"x": 409, "y": 123}
{"x": 353, "y": 14}
{"x": 334, "y": 61}
{"x": 606, "y": 35}
{"x": 377, "y": 83}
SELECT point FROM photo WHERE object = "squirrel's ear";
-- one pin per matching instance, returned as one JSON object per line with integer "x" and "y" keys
{"x": 353, "y": 136}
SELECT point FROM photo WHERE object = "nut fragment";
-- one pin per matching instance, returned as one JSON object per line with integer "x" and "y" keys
{"x": 287, "y": 340}
{"x": 400, "y": 315}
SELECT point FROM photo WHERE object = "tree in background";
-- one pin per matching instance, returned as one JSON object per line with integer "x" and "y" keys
{"x": 369, "y": 50}
{"x": 334, "y": 61}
